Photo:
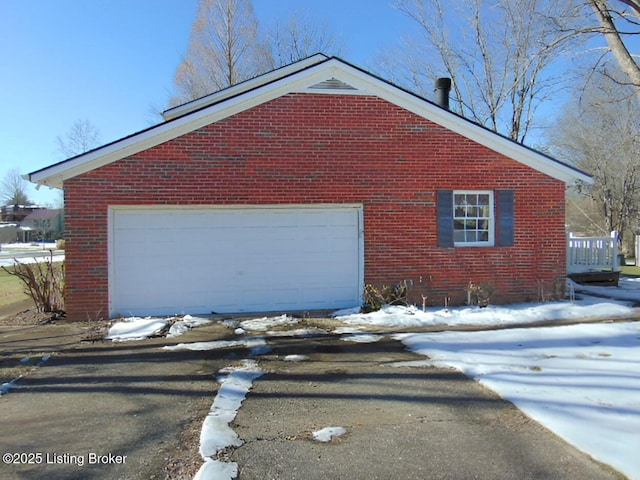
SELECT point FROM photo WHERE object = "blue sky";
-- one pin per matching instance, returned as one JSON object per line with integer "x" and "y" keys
{"x": 112, "y": 62}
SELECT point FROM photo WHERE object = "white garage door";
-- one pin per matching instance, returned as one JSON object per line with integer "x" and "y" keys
{"x": 198, "y": 260}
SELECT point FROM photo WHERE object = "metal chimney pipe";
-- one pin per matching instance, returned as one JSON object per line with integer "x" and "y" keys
{"x": 443, "y": 87}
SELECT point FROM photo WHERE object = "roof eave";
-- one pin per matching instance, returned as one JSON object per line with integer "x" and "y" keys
{"x": 242, "y": 87}
{"x": 456, "y": 123}
{"x": 255, "y": 92}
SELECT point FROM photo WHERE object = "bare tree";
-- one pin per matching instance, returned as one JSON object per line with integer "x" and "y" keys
{"x": 616, "y": 23}
{"x": 227, "y": 47}
{"x": 14, "y": 189}
{"x": 299, "y": 36}
{"x": 500, "y": 56}
{"x": 599, "y": 131}
{"x": 223, "y": 49}
{"x": 82, "y": 137}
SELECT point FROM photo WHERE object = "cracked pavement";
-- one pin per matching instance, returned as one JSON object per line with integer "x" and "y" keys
{"x": 138, "y": 400}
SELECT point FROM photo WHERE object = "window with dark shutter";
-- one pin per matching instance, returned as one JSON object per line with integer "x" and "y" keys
{"x": 475, "y": 218}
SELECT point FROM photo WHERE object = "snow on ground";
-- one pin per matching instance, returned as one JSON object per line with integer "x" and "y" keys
{"x": 136, "y": 328}
{"x": 22, "y": 247}
{"x": 264, "y": 323}
{"x": 28, "y": 253}
{"x": 216, "y": 433}
{"x": 500, "y": 315}
{"x": 185, "y": 324}
{"x": 296, "y": 358}
{"x": 11, "y": 261}
{"x": 579, "y": 381}
{"x": 255, "y": 345}
{"x": 327, "y": 433}
{"x": 5, "y": 387}
{"x": 361, "y": 338}
{"x": 628, "y": 289}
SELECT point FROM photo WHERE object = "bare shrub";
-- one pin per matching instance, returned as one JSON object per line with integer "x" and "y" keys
{"x": 43, "y": 282}
{"x": 480, "y": 293}
{"x": 374, "y": 298}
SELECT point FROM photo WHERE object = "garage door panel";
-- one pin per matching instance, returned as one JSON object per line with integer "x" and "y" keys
{"x": 167, "y": 261}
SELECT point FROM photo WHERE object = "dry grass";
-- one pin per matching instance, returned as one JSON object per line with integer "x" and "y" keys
{"x": 631, "y": 271}
{"x": 11, "y": 289}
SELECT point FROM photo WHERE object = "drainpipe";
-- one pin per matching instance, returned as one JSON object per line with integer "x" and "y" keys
{"x": 443, "y": 87}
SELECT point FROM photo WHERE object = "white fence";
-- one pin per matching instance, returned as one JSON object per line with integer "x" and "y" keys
{"x": 588, "y": 254}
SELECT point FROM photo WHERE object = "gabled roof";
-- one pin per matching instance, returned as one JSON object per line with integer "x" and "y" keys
{"x": 315, "y": 74}
{"x": 43, "y": 214}
{"x": 242, "y": 87}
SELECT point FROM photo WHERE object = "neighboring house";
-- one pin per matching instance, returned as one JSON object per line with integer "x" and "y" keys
{"x": 16, "y": 213}
{"x": 293, "y": 190}
{"x": 43, "y": 224}
{"x": 9, "y": 232}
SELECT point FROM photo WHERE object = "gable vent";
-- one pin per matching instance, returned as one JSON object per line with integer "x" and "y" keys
{"x": 332, "y": 84}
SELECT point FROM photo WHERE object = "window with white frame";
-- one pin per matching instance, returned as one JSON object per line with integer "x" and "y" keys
{"x": 473, "y": 218}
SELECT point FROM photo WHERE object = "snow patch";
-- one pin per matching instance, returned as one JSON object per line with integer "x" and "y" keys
{"x": 216, "y": 433}
{"x": 362, "y": 338}
{"x": 136, "y": 328}
{"x": 216, "y": 470}
{"x": 187, "y": 323}
{"x": 265, "y": 323}
{"x": 346, "y": 311}
{"x": 341, "y": 330}
{"x": 327, "y": 433}
{"x": 575, "y": 380}
{"x": 503, "y": 315}
{"x": 256, "y": 345}
{"x": 5, "y": 387}
{"x": 298, "y": 332}
{"x": 296, "y": 358}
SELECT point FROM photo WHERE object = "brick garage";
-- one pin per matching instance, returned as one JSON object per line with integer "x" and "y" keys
{"x": 324, "y": 133}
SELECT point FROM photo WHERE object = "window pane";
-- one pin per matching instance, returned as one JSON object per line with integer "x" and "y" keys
{"x": 473, "y": 217}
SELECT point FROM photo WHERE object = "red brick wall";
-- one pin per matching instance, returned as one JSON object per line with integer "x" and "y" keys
{"x": 314, "y": 148}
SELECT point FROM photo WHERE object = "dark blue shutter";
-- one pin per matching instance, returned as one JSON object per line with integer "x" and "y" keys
{"x": 444, "y": 201}
{"x": 505, "y": 218}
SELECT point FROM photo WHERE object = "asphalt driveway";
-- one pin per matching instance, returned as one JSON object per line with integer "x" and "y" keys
{"x": 133, "y": 410}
